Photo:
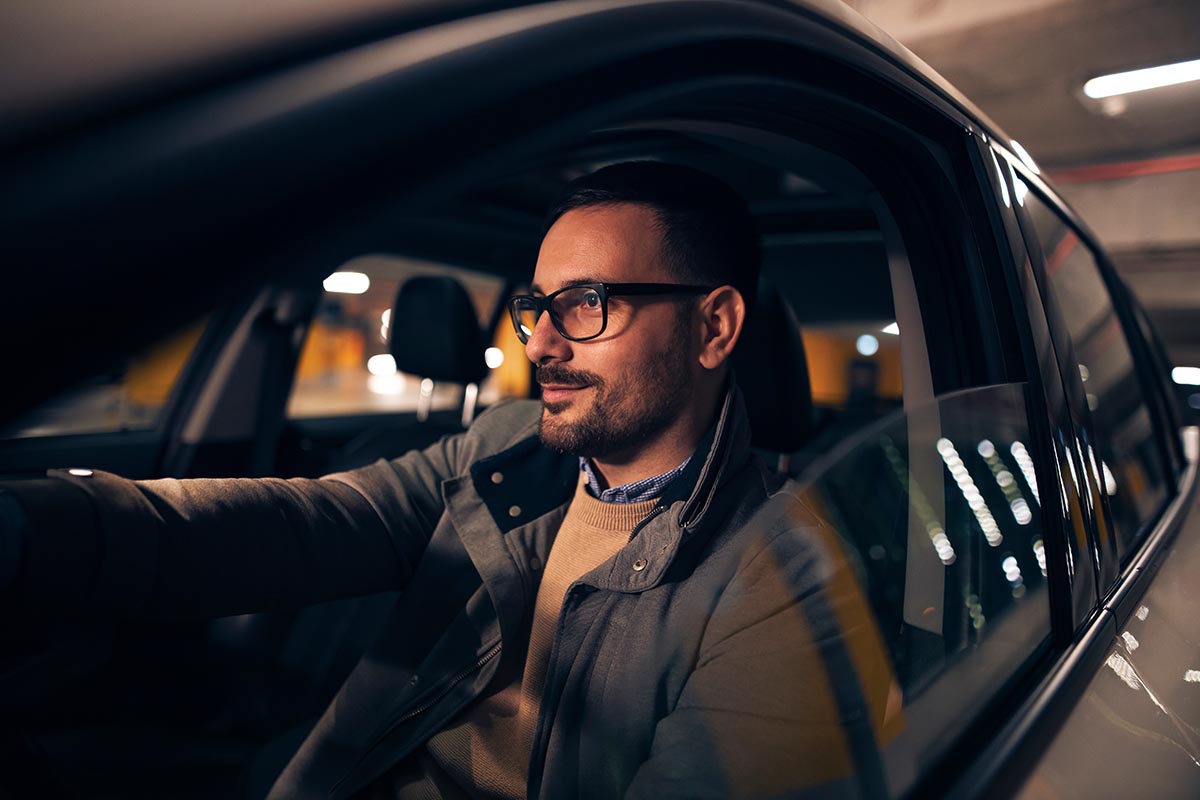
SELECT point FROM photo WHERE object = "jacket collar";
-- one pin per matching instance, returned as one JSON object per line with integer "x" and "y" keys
{"x": 723, "y": 449}
{"x": 528, "y": 480}
{"x": 655, "y": 544}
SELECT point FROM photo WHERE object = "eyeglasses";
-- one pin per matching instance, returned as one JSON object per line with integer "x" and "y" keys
{"x": 580, "y": 312}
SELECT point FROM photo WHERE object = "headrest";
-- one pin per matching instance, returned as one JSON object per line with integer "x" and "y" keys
{"x": 435, "y": 331}
{"x": 772, "y": 372}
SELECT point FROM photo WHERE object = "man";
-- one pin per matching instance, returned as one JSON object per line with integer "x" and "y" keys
{"x": 599, "y": 598}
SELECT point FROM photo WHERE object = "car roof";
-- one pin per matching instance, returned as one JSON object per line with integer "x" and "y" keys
{"x": 135, "y": 146}
{"x": 67, "y": 62}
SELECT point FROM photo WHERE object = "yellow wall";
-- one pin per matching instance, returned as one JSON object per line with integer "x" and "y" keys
{"x": 150, "y": 377}
{"x": 829, "y": 357}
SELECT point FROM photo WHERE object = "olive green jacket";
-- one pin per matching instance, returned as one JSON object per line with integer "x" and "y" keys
{"x": 724, "y": 651}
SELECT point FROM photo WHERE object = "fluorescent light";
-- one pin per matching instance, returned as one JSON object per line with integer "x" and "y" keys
{"x": 1186, "y": 376}
{"x": 1141, "y": 79}
{"x": 347, "y": 283}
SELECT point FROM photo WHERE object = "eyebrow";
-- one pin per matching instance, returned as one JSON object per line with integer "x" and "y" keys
{"x": 572, "y": 282}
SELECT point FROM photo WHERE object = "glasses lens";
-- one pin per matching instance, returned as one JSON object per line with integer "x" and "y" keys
{"x": 524, "y": 316}
{"x": 579, "y": 312}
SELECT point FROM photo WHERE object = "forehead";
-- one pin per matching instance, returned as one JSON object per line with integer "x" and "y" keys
{"x": 617, "y": 243}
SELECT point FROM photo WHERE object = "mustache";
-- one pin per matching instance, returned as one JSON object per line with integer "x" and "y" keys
{"x": 557, "y": 373}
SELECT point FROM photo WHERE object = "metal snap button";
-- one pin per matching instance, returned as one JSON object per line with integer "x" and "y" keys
{"x": 515, "y": 511}
{"x": 414, "y": 680}
{"x": 497, "y": 477}
{"x": 81, "y": 473}
{"x": 639, "y": 565}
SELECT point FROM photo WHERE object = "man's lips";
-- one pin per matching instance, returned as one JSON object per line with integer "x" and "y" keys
{"x": 560, "y": 391}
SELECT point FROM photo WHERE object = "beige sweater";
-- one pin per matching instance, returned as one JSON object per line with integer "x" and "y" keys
{"x": 488, "y": 746}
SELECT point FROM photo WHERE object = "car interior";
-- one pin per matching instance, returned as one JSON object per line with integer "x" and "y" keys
{"x": 305, "y": 379}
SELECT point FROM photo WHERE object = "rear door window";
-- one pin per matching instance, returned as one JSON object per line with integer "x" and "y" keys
{"x": 1126, "y": 457}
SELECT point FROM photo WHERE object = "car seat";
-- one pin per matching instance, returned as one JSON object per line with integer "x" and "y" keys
{"x": 435, "y": 336}
{"x": 772, "y": 371}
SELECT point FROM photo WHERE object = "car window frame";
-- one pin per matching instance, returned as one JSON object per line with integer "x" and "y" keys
{"x": 1109, "y": 574}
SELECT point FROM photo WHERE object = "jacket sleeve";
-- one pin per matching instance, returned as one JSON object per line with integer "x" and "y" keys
{"x": 791, "y": 689}
{"x": 94, "y": 544}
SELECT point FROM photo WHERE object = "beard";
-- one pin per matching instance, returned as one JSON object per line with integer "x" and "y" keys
{"x": 624, "y": 411}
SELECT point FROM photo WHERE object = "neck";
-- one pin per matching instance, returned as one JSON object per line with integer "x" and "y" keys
{"x": 664, "y": 452}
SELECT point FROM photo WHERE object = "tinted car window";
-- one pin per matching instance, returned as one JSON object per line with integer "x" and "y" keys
{"x": 129, "y": 397}
{"x": 941, "y": 509}
{"x": 1128, "y": 462}
{"x": 933, "y": 492}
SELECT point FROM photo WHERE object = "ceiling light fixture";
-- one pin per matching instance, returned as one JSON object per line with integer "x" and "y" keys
{"x": 1141, "y": 79}
{"x": 1186, "y": 376}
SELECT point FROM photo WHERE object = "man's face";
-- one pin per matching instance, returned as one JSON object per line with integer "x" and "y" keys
{"x": 609, "y": 396}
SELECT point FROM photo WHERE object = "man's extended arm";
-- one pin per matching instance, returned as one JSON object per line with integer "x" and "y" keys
{"x": 98, "y": 544}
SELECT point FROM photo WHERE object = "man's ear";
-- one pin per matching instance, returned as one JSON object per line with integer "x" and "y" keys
{"x": 723, "y": 314}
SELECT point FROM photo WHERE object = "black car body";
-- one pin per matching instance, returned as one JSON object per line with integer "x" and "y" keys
{"x": 1032, "y": 526}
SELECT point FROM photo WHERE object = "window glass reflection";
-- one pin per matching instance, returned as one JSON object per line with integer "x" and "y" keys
{"x": 937, "y": 509}
{"x": 1125, "y": 459}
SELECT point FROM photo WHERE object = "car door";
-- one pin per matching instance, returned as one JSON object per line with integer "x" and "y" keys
{"x": 1135, "y": 705}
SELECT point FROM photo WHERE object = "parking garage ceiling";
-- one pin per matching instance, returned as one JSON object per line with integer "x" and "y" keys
{"x": 1129, "y": 164}
{"x": 1024, "y": 63}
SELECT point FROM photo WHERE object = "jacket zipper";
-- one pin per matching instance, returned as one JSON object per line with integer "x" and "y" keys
{"x": 457, "y": 679}
{"x": 428, "y": 704}
{"x": 538, "y": 754}
{"x": 637, "y": 528}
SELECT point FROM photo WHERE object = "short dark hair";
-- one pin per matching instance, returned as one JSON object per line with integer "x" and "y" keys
{"x": 709, "y": 235}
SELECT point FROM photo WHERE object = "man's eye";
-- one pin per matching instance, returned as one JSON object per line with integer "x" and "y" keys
{"x": 591, "y": 300}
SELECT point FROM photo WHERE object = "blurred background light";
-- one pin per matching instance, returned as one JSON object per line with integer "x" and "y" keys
{"x": 1186, "y": 376}
{"x": 382, "y": 364}
{"x": 867, "y": 345}
{"x": 347, "y": 283}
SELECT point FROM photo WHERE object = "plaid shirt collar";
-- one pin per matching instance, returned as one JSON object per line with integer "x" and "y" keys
{"x": 636, "y": 492}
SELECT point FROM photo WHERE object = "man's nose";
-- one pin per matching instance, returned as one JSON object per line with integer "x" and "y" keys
{"x": 546, "y": 345}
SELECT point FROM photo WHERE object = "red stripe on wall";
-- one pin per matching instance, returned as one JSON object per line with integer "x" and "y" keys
{"x": 1125, "y": 169}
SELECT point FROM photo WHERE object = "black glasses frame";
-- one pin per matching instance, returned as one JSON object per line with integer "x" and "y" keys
{"x": 541, "y": 305}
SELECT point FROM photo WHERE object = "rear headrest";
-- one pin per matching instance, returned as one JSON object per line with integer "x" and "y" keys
{"x": 772, "y": 372}
{"x": 435, "y": 331}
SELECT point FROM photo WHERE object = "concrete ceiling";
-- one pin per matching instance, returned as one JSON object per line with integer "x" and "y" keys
{"x": 1130, "y": 165}
{"x": 1024, "y": 63}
